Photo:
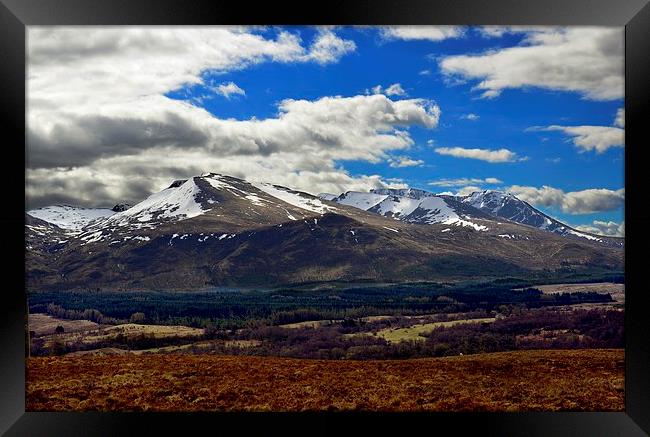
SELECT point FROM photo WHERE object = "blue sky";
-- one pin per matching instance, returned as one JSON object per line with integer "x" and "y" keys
{"x": 504, "y": 122}
{"x": 115, "y": 113}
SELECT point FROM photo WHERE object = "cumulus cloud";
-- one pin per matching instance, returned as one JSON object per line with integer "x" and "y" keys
{"x": 326, "y": 130}
{"x": 392, "y": 90}
{"x": 404, "y": 161}
{"x": 395, "y": 90}
{"x": 429, "y": 33}
{"x": 608, "y": 229}
{"x": 499, "y": 31}
{"x": 466, "y": 191}
{"x": 470, "y": 116}
{"x": 101, "y": 130}
{"x": 493, "y": 156}
{"x": 329, "y": 48}
{"x": 492, "y": 31}
{"x": 620, "y": 118}
{"x": 588, "y": 138}
{"x": 228, "y": 89}
{"x": 464, "y": 181}
{"x": 574, "y": 202}
{"x": 586, "y": 60}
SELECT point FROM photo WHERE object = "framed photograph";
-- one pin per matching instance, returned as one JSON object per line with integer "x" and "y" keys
{"x": 370, "y": 214}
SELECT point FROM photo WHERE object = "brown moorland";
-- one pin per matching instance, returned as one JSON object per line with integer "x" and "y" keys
{"x": 553, "y": 380}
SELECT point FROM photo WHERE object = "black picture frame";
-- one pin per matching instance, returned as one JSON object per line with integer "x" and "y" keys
{"x": 15, "y": 15}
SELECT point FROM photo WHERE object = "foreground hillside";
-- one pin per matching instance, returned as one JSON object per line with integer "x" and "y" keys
{"x": 577, "y": 380}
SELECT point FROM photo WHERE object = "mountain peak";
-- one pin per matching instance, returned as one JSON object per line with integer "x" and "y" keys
{"x": 177, "y": 183}
{"x": 411, "y": 193}
{"x": 121, "y": 207}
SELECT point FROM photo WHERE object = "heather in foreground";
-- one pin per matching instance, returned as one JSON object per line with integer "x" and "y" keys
{"x": 551, "y": 380}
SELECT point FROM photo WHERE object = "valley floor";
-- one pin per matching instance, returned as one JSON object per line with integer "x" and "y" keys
{"x": 534, "y": 380}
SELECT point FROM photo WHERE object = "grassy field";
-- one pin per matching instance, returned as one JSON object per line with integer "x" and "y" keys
{"x": 553, "y": 380}
{"x": 617, "y": 291}
{"x": 89, "y": 333}
{"x": 412, "y": 333}
{"x": 43, "y": 324}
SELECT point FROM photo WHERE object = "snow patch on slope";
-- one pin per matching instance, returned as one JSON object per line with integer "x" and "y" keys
{"x": 70, "y": 217}
{"x": 294, "y": 198}
{"x": 360, "y": 200}
{"x": 580, "y": 234}
{"x": 438, "y": 211}
{"x": 327, "y": 196}
{"x": 397, "y": 206}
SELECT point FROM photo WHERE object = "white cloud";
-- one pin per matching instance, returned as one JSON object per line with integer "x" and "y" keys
{"x": 620, "y": 118}
{"x": 575, "y": 202}
{"x": 464, "y": 181}
{"x": 499, "y": 31}
{"x": 392, "y": 90}
{"x": 491, "y": 94}
{"x": 429, "y": 33}
{"x": 228, "y": 89}
{"x": 79, "y": 68}
{"x": 395, "y": 90}
{"x": 470, "y": 116}
{"x": 493, "y": 156}
{"x": 100, "y": 129}
{"x": 425, "y": 73}
{"x": 587, "y": 138}
{"x": 586, "y": 60}
{"x": 329, "y": 48}
{"x": 492, "y": 31}
{"x": 306, "y": 138}
{"x": 608, "y": 229}
{"x": 466, "y": 191}
{"x": 404, "y": 161}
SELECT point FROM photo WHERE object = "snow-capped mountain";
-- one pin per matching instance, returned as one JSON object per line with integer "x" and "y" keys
{"x": 415, "y": 206}
{"x": 509, "y": 207}
{"x": 211, "y": 198}
{"x": 420, "y": 206}
{"x": 214, "y": 230}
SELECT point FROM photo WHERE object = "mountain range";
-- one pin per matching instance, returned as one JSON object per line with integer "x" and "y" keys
{"x": 419, "y": 206}
{"x": 216, "y": 230}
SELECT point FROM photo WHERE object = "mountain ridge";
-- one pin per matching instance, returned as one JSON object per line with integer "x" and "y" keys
{"x": 490, "y": 204}
{"x": 214, "y": 230}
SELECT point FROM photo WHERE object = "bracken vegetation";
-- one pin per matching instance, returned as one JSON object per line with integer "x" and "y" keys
{"x": 554, "y": 380}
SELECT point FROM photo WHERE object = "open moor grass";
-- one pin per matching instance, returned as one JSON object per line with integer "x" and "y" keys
{"x": 551, "y": 380}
